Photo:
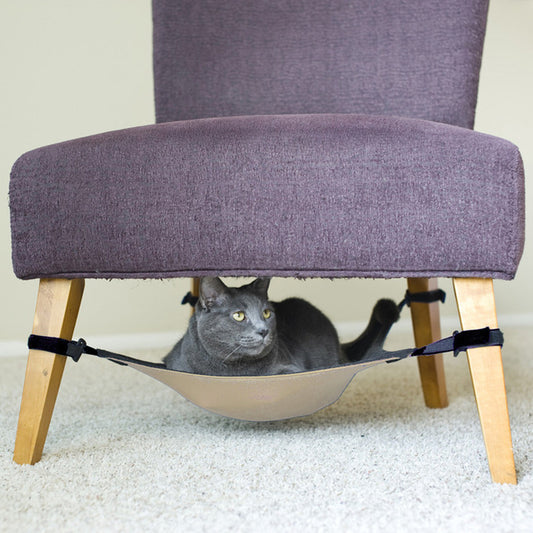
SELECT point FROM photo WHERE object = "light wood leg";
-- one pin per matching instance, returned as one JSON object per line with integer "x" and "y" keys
{"x": 195, "y": 286}
{"x": 195, "y": 289}
{"x": 426, "y": 328}
{"x": 477, "y": 309}
{"x": 58, "y": 302}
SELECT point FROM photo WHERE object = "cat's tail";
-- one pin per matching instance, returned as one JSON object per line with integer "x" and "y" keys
{"x": 384, "y": 315}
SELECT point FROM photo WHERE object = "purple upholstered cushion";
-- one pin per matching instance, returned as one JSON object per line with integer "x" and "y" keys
{"x": 292, "y": 195}
{"x": 415, "y": 58}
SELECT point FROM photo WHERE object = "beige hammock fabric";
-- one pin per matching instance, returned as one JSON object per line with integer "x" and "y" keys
{"x": 267, "y": 398}
{"x": 261, "y": 398}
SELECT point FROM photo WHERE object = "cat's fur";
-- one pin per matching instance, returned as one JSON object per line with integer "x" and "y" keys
{"x": 272, "y": 338}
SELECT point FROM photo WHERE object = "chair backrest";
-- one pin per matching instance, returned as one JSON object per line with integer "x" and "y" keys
{"x": 415, "y": 58}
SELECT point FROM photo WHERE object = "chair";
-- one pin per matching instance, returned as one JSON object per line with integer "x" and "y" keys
{"x": 325, "y": 138}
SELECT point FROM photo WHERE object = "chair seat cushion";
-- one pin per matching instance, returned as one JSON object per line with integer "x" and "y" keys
{"x": 284, "y": 195}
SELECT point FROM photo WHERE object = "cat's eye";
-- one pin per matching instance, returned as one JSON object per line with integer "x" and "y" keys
{"x": 239, "y": 316}
{"x": 267, "y": 313}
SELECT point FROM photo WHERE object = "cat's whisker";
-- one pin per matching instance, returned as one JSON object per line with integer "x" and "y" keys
{"x": 230, "y": 354}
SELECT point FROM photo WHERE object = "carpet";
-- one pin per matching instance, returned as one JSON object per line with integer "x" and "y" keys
{"x": 125, "y": 453}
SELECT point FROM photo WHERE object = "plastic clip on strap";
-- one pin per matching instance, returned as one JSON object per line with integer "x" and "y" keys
{"x": 76, "y": 350}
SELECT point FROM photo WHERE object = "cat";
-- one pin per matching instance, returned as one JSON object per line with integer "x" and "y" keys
{"x": 237, "y": 331}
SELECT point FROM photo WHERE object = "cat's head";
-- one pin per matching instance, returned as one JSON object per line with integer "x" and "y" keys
{"x": 235, "y": 324}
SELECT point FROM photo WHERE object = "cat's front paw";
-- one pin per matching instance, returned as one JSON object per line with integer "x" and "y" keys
{"x": 288, "y": 369}
{"x": 386, "y": 311}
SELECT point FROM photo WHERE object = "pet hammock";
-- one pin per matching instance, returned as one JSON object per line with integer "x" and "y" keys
{"x": 274, "y": 397}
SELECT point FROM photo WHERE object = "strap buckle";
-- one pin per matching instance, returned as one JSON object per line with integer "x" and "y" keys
{"x": 476, "y": 338}
{"x": 76, "y": 349}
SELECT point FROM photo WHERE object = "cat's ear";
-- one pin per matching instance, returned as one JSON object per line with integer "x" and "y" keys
{"x": 260, "y": 286}
{"x": 211, "y": 290}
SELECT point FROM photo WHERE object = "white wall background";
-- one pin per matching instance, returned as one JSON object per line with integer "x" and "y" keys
{"x": 71, "y": 68}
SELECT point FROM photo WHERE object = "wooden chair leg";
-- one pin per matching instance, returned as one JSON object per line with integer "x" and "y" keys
{"x": 195, "y": 286}
{"x": 477, "y": 309}
{"x": 195, "y": 289}
{"x": 58, "y": 302}
{"x": 426, "y": 328}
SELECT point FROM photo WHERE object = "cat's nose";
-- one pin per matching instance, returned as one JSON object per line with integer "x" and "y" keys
{"x": 263, "y": 332}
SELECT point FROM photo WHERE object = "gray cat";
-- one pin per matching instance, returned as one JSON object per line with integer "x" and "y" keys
{"x": 239, "y": 332}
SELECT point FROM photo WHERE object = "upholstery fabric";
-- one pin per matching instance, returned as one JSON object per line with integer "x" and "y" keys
{"x": 414, "y": 58}
{"x": 333, "y": 195}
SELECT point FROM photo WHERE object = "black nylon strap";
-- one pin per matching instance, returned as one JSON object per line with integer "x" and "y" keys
{"x": 189, "y": 299}
{"x": 463, "y": 340}
{"x": 426, "y": 297}
{"x": 458, "y": 342}
{"x": 74, "y": 350}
